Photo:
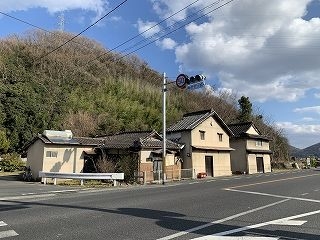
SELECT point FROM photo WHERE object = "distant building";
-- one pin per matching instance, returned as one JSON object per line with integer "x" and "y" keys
{"x": 58, "y": 151}
{"x": 206, "y": 139}
{"x": 252, "y": 153}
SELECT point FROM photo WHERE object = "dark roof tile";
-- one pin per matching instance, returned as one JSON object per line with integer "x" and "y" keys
{"x": 191, "y": 120}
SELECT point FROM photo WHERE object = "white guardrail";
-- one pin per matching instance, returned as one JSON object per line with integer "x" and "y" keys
{"x": 81, "y": 176}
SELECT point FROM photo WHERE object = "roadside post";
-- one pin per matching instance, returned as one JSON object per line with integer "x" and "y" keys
{"x": 182, "y": 82}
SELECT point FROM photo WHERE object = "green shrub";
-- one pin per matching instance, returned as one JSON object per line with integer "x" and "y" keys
{"x": 11, "y": 162}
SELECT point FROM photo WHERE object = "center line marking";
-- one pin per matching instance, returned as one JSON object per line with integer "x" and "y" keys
{"x": 271, "y": 181}
{"x": 179, "y": 234}
{"x": 273, "y": 222}
{"x": 274, "y": 195}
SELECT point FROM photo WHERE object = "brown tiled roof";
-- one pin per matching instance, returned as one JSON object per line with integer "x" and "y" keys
{"x": 191, "y": 120}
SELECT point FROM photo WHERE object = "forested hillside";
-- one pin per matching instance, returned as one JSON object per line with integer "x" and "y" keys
{"x": 92, "y": 91}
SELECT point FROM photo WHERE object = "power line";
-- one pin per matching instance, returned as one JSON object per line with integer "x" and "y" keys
{"x": 25, "y": 22}
{"x": 174, "y": 30}
{"x": 144, "y": 40}
{"x": 150, "y": 28}
{"x": 171, "y": 26}
{"x": 108, "y": 13}
{"x": 129, "y": 40}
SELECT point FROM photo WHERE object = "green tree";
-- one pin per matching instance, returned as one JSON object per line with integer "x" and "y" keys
{"x": 4, "y": 142}
{"x": 245, "y": 113}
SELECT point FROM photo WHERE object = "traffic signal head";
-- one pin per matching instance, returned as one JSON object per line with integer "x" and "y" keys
{"x": 199, "y": 77}
{"x": 196, "y": 78}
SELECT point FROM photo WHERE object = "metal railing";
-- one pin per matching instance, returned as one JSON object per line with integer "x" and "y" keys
{"x": 81, "y": 176}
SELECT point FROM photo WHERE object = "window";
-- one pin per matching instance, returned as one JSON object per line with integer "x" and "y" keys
{"x": 258, "y": 143}
{"x": 202, "y": 135}
{"x": 220, "y": 136}
{"x": 52, "y": 154}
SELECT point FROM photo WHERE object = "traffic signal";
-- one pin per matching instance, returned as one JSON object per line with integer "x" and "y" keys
{"x": 183, "y": 80}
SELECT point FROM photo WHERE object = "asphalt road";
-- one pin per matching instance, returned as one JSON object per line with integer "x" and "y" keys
{"x": 267, "y": 206}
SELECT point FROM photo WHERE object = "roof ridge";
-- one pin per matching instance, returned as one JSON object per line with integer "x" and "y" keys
{"x": 240, "y": 123}
{"x": 198, "y": 112}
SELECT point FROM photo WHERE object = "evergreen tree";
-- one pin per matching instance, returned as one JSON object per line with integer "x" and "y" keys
{"x": 245, "y": 113}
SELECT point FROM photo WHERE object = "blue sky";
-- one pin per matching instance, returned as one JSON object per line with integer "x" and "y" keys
{"x": 267, "y": 50}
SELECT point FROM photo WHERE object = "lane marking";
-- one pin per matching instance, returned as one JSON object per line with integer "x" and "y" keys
{"x": 179, "y": 234}
{"x": 26, "y": 197}
{"x": 291, "y": 223}
{"x": 274, "y": 195}
{"x": 304, "y": 194}
{"x": 272, "y": 181}
{"x": 9, "y": 233}
{"x": 273, "y": 222}
{"x": 238, "y": 238}
{"x": 24, "y": 194}
{"x": 2, "y": 223}
{"x": 193, "y": 183}
{"x": 63, "y": 191}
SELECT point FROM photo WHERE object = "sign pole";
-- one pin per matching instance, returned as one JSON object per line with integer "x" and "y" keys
{"x": 164, "y": 147}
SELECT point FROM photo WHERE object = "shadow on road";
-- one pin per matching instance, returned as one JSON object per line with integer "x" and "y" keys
{"x": 15, "y": 177}
{"x": 171, "y": 220}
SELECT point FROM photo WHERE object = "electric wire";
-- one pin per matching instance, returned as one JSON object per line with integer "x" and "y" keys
{"x": 171, "y": 26}
{"x": 176, "y": 29}
{"x": 150, "y": 28}
{"x": 108, "y": 13}
{"x": 172, "y": 31}
{"x": 119, "y": 45}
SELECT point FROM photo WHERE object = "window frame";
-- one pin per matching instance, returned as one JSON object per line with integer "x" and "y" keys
{"x": 258, "y": 143}
{"x": 51, "y": 154}
{"x": 202, "y": 134}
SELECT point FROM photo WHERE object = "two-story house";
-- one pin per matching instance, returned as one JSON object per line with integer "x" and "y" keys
{"x": 252, "y": 153}
{"x": 206, "y": 139}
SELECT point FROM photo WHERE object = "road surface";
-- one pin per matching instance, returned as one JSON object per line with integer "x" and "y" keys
{"x": 270, "y": 206}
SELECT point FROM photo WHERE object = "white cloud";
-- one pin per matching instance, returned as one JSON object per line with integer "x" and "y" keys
{"x": 147, "y": 29}
{"x": 314, "y": 109}
{"x": 308, "y": 119}
{"x": 301, "y": 135}
{"x": 263, "y": 49}
{"x": 167, "y": 43}
{"x": 317, "y": 95}
{"x": 53, "y": 6}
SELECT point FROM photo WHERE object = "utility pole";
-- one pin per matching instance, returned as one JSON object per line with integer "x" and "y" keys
{"x": 164, "y": 147}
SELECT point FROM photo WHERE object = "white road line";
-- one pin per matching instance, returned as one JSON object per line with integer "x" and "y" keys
{"x": 304, "y": 194}
{"x": 291, "y": 223}
{"x": 26, "y": 197}
{"x": 272, "y": 181}
{"x": 273, "y": 222}
{"x": 63, "y": 191}
{"x": 193, "y": 183}
{"x": 211, "y": 181}
{"x": 238, "y": 238}
{"x": 274, "y": 195}
{"x": 9, "y": 233}
{"x": 24, "y": 194}
{"x": 2, "y": 224}
{"x": 221, "y": 220}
